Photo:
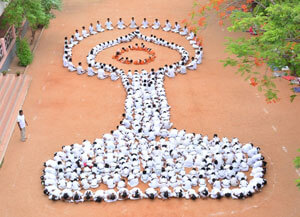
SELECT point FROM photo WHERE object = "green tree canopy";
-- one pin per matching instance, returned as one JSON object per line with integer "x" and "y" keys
{"x": 275, "y": 41}
{"x": 36, "y": 12}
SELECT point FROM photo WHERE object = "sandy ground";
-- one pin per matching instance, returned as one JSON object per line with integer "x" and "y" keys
{"x": 63, "y": 108}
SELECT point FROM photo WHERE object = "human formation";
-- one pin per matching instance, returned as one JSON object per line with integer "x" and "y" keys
{"x": 136, "y": 47}
{"x": 146, "y": 148}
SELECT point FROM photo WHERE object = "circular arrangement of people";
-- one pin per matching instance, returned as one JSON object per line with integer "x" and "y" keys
{"x": 146, "y": 147}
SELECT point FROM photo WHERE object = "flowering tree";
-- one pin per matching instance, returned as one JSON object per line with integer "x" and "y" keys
{"x": 273, "y": 44}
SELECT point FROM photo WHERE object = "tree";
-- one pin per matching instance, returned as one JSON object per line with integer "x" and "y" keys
{"x": 297, "y": 165}
{"x": 36, "y": 12}
{"x": 23, "y": 52}
{"x": 274, "y": 42}
{"x": 50, "y": 5}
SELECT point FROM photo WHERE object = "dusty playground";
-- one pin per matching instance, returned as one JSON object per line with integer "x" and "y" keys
{"x": 64, "y": 108}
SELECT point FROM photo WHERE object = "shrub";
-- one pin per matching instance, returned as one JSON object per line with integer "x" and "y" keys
{"x": 23, "y": 52}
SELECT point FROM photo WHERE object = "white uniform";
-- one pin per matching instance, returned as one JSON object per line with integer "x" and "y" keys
{"x": 145, "y": 24}
{"x": 156, "y": 25}
{"x": 108, "y": 25}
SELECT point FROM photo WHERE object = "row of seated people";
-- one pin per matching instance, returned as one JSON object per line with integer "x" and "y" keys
{"x": 136, "y": 47}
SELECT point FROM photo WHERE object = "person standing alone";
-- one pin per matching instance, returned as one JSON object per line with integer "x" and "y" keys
{"x": 21, "y": 123}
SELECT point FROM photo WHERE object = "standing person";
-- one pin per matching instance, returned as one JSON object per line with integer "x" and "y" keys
{"x": 21, "y": 124}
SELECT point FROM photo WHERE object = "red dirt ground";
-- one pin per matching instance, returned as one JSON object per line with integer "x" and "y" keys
{"x": 63, "y": 108}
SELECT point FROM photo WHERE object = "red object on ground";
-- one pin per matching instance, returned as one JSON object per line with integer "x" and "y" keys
{"x": 289, "y": 78}
{"x": 251, "y": 30}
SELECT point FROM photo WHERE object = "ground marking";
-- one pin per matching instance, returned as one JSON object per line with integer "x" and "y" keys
{"x": 40, "y": 101}
{"x": 274, "y": 128}
{"x": 266, "y": 111}
{"x": 217, "y": 213}
{"x": 284, "y": 149}
{"x": 48, "y": 73}
{"x": 34, "y": 118}
{"x": 44, "y": 88}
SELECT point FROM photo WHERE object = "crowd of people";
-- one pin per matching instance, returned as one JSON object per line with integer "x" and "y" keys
{"x": 146, "y": 148}
{"x": 100, "y": 69}
{"x": 136, "y": 47}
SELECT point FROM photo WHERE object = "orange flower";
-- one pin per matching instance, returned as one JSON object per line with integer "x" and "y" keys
{"x": 222, "y": 14}
{"x": 216, "y": 7}
{"x": 221, "y": 22}
{"x": 220, "y": 2}
{"x": 202, "y": 9}
{"x": 258, "y": 61}
{"x": 253, "y": 82}
{"x": 192, "y": 28}
{"x": 198, "y": 38}
{"x": 244, "y": 7}
{"x": 184, "y": 21}
{"x": 201, "y": 21}
{"x": 231, "y": 8}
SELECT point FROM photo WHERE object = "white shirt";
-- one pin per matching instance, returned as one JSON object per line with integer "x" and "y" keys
{"x": 21, "y": 121}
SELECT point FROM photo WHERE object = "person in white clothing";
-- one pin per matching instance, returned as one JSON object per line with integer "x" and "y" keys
{"x": 80, "y": 70}
{"x": 84, "y": 32}
{"x": 150, "y": 193}
{"x": 121, "y": 24}
{"x": 109, "y": 25}
{"x": 114, "y": 76}
{"x": 182, "y": 69}
{"x": 193, "y": 64}
{"x": 99, "y": 27}
{"x": 21, "y": 123}
{"x": 71, "y": 66}
{"x": 110, "y": 196}
{"x": 132, "y": 24}
{"x": 145, "y": 24}
{"x": 156, "y": 24}
{"x": 91, "y": 29}
{"x": 168, "y": 26}
{"x": 176, "y": 28}
{"x": 77, "y": 35}
{"x": 90, "y": 71}
{"x": 101, "y": 73}
{"x": 184, "y": 31}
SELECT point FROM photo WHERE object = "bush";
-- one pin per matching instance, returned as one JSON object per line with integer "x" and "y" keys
{"x": 23, "y": 52}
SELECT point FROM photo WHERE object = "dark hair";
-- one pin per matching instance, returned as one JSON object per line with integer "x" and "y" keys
{"x": 136, "y": 194}
{"x": 112, "y": 196}
{"x": 98, "y": 199}
{"x": 76, "y": 197}
{"x": 65, "y": 196}
{"x": 151, "y": 196}
{"x": 124, "y": 194}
